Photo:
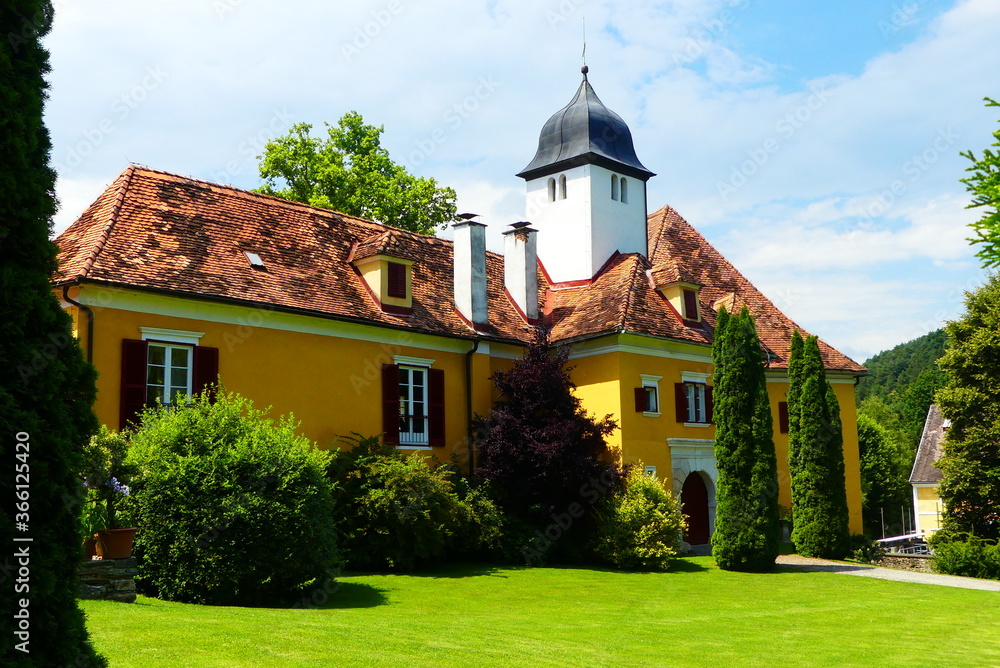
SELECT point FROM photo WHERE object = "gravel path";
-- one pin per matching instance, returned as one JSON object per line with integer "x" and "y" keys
{"x": 797, "y": 563}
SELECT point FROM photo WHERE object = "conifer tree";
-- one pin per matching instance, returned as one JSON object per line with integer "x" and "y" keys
{"x": 816, "y": 457}
{"x": 46, "y": 388}
{"x": 746, "y": 522}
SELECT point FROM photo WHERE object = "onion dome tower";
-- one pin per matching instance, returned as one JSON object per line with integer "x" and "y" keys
{"x": 586, "y": 189}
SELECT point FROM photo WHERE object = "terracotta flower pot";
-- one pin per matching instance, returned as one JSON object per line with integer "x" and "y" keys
{"x": 89, "y": 548}
{"x": 115, "y": 543}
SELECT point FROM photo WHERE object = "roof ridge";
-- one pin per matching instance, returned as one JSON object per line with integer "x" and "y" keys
{"x": 627, "y": 302}
{"x": 126, "y": 178}
{"x": 287, "y": 203}
{"x": 651, "y": 252}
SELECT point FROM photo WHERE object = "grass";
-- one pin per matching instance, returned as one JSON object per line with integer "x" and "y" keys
{"x": 695, "y": 615}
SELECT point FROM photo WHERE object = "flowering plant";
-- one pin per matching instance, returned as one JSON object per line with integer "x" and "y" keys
{"x": 105, "y": 479}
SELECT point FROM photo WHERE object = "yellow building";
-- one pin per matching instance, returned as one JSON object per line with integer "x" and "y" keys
{"x": 355, "y": 326}
{"x": 925, "y": 476}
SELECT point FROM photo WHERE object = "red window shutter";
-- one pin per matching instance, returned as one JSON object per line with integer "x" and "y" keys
{"x": 206, "y": 368}
{"x": 709, "y": 404}
{"x": 681, "y": 401}
{"x": 783, "y": 417}
{"x": 133, "y": 388}
{"x": 390, "y": 404}
{"x": 435, "y": 414}
{"x": 690, "y": 305}
{"x": 641, "y": 400}
{"x": 397, "y": 280}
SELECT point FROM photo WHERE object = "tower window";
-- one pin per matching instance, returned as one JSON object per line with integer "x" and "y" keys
{"x": 624, "y": 191}
{"x": 614, "y": 187}
{"x": 552, "y": 190}
{"x": 562, "y": 186}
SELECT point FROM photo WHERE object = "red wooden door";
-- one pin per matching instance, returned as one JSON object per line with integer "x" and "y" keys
{"x": 694, "y": 503}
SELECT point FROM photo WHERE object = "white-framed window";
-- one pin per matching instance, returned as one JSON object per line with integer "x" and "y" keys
{"x": 651, "y": 471}
{"x": 697, "y": 408}
{"x": 169, "y": 371}
{"x": 413, "y": 424}
{"x": 650, "y": 392}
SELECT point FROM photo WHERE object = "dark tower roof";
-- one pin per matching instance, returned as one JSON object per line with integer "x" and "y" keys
{"x": 585, "y": 131}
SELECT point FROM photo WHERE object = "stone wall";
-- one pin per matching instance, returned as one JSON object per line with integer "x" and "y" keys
{"x": 108, "y": 580}
{"x": 909, "y": 562}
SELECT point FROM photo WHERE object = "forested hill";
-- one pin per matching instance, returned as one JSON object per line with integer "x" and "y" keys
{"x": 897, "y": 369}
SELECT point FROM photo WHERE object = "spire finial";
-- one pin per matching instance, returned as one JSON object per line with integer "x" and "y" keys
{"x": 584, "y": 69}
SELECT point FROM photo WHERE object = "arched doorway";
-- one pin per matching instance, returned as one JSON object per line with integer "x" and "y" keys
{"x": 694, "y": 503}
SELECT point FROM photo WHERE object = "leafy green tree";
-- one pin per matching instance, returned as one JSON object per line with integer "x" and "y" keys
{"x": 971, "y": 400}
{"x": 746, "y": 522}
{"x": 984, "y": 184}
{"x": 816, "y": 457}
{"x": 350, "y": 171}
{"x": 46, "y": 388}
{"x": 885, "y": 469}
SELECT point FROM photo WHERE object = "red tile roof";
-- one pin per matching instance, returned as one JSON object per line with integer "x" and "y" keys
{"x": 161, "y": 231}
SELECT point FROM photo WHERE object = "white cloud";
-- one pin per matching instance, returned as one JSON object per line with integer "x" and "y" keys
{"x": 698, "y": 104}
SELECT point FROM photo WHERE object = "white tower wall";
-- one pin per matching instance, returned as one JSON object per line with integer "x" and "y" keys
{"x": 578, "y": 234}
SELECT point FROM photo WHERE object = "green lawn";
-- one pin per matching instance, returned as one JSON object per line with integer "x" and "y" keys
{"x": 694, "y": 616}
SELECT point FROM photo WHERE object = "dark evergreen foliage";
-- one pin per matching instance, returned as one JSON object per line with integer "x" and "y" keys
{"x": 816, "y": 458}
{"x": 894, "y": 370}
{"x": 895, "y": 396}
{"x": 541, "y": 453}
{"x": 46, "y": 388}
{"x": 885, "y": 470}
{"x": 971, "y": 400}
{"x": 746, "y": 534}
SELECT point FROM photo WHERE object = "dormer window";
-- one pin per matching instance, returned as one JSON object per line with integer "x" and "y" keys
{"x": 383, "y": 263}
{"x": 678, "y": 286}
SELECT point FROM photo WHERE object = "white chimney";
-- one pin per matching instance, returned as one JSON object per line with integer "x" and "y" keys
{"x": 520, "y": 267}
{"x": 470, "y": 270}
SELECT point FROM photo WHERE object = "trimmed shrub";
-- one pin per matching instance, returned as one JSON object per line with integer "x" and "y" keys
{"x": 397, "y": 512}
{"x": 865, "y": 550}
{"x": 233, "y": 508}
{"x": 640, "y": 526}
{"x": 964, "y": 554}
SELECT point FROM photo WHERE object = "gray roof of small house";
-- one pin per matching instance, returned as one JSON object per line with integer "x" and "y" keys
{"x": 929, "y": 450}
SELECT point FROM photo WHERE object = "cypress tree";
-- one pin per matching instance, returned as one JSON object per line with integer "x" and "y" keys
{"x": 746, "y": 522}
{"x": 816, "y": 458}
{"x": 46, "y": 388}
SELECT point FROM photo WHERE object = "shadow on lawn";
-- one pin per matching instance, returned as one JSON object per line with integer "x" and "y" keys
{"x": 356, "y": 595}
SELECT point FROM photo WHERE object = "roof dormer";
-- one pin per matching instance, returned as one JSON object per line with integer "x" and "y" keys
{"x": 387, "y": 270}
{"x": 679, "y": 287}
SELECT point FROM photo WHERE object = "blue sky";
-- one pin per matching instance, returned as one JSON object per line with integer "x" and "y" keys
{"x": 815, "y": 144}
